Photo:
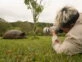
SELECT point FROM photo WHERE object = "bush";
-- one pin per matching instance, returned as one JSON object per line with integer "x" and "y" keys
{"x": 4, "y": 26}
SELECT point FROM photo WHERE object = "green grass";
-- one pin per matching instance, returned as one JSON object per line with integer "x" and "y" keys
{"x": 32, "y": 50}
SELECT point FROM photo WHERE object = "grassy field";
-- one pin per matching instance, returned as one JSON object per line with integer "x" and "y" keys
{"x": 32, "y": 50}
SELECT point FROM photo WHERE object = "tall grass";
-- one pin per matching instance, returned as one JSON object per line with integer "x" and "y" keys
{"x": 32, "y": 50}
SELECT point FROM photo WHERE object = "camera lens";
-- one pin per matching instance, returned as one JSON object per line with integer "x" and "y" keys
{"x": 59, "y": 31}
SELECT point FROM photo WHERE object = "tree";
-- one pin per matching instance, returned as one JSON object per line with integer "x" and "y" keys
{"x": 36, "y": 8}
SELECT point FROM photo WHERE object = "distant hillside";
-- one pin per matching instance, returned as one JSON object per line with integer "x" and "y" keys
{"x": 25, "y": 26}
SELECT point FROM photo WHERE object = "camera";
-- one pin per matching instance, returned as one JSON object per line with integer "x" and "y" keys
{"x": 47, "y": 30}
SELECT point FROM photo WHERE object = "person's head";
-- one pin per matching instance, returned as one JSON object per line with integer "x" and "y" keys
{"x": 66, "y": 18}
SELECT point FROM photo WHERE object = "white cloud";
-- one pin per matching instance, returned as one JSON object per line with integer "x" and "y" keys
{"x": 13, "y": 10}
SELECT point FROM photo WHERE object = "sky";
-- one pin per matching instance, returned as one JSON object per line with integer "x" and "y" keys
{"x": 16, "y": 10}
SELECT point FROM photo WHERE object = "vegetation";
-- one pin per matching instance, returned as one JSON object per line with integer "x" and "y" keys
{"x": 4, "y": 26}
{"x": 25, "y": 26}
{"x": 36, "y": 8}
{"x": 28, "y": 50}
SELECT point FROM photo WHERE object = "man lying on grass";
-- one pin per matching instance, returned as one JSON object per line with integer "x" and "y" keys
{"x": 69, "y": 20}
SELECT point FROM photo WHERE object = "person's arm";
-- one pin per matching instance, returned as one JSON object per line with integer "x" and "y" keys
{"x": 54, "y": 39}
{"x": 56, "y": 43}
{"x": 69, "y": 46}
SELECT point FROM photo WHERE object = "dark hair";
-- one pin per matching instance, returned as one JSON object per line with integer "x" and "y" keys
{"x": 67, "y": 16}
{"x": 73, "y": 19}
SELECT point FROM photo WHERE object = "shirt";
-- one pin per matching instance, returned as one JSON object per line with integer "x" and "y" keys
{"x": 73, "y": 41}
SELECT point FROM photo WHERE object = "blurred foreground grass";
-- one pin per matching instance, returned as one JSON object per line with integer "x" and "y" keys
{"x": 32, "y": 50}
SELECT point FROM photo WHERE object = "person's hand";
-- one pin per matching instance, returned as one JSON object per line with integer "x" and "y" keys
{"x": 52, "y": 31}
